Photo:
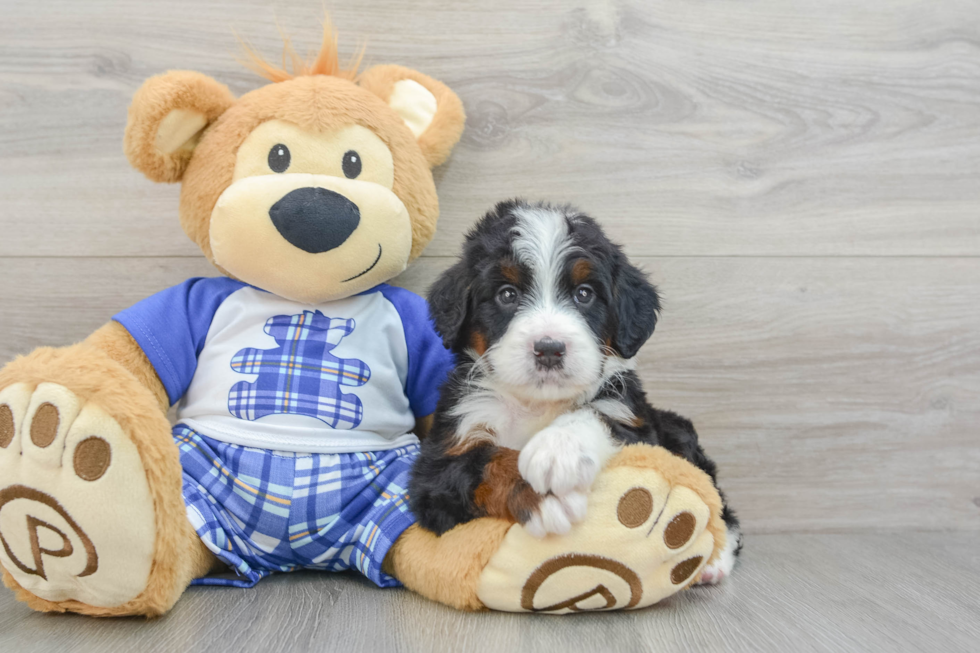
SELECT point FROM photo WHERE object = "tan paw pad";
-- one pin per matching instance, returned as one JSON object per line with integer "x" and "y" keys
{"x": 76, "y": 516}
{"x": 642, "y": 540}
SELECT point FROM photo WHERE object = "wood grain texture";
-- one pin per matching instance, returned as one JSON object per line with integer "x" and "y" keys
{"x": 834, "y": 393}
{"x": 869, "y": 593}
{"x": 799, "y": 178}
{"x": 764, "y": 127}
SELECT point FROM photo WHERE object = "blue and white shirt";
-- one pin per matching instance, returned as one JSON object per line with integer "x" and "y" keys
{"x": 250, "y": 368}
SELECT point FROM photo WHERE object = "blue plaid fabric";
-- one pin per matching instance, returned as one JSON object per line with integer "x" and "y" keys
{"x": 301, "y": 376}
{"x": 263, "y": 511}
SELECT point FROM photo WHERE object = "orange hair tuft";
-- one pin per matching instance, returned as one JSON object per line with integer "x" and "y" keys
{"x": 326, "y": 62}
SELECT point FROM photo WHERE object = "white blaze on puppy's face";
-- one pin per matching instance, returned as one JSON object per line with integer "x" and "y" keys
{"x": 542, "y": 242}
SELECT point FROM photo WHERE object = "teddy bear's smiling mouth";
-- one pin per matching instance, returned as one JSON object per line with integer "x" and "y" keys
{"x": 361, "y": 274}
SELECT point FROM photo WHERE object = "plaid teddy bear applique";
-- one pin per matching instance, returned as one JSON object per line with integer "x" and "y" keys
{"x": 301, "y": 376}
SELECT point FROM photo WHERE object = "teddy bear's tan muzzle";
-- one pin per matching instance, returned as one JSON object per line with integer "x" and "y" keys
{"x": 310, "y": 238}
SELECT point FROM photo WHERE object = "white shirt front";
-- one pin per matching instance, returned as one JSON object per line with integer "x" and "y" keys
{"x": 345, "y": 376}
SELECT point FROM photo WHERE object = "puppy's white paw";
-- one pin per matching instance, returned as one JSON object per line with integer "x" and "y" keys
{"x": 721, "y": 568}
{"x": 557, "y": 514}
{"x": 556, "y": 461}
{"x": 576, "y": 505}
{"x": 712, "y": 575}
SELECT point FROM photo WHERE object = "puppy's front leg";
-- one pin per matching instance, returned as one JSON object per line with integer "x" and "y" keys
{"x": 566, "y": 456}
{"x": 505, "y": 494}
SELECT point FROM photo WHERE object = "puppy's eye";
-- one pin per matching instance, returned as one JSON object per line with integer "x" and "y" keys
{"x": 352, "y": 164}
{"x": 279, "y": 158}
{"x": 584, "y": 295}
{"x": 508, "y": 296}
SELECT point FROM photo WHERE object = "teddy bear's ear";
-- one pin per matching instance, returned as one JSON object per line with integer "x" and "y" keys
{"x": 432, "y": 111}
{"x": 166, "y": 118}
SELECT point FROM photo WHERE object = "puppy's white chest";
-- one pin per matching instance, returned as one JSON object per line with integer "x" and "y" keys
{"x": 511, "y": 422}
{"x": 517, "y": 424}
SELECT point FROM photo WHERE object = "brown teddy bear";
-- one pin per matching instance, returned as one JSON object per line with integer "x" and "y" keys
{"x": 302, "y": 381}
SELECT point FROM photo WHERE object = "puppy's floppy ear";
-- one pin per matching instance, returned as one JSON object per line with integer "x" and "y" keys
{"x": 635, "y": 308}
{"x": 431, "y": 111}
{"x": 166, "y": 118}
{"x": 449, "y": 299}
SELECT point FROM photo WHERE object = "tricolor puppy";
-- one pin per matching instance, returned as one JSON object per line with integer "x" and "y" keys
{"x": 545, "y": 316}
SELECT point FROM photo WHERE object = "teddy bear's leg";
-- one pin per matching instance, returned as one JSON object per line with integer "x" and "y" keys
{"x": 92, "y": 518}
{"x": 446, "y": 569}
{"x": 653, "y": 523}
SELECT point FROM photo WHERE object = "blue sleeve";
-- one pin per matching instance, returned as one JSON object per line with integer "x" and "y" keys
{"x": 171, "y": 326}
{"x": 429, "y": 362}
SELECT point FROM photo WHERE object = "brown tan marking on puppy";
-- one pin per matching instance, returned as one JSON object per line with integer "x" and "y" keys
{"x": 503, "y": 492}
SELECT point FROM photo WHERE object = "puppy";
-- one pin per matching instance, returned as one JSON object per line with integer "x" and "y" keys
{"x": 545, "y": 316}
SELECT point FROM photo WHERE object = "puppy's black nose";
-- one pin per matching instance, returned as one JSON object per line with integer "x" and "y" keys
{"x": 315, "y": 219}
{"x": 548, "y": 353}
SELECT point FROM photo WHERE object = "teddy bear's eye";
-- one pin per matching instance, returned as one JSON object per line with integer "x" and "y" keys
{"x": 279, "y": 158}
{"x": 352, "y": 164}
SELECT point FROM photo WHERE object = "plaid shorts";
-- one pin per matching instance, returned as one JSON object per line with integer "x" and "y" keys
{"x": 262, "y": 511}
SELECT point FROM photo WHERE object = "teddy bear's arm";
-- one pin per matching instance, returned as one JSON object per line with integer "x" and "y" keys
{"x": 114, "y": 341}
{"x": 422, "y": 426}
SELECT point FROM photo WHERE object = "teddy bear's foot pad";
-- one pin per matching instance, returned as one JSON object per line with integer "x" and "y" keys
{"x": 76, "y": 514}
{"x": 644, "y": 538}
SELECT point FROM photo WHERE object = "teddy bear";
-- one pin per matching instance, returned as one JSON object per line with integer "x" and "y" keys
{"x": 302, "y": 382}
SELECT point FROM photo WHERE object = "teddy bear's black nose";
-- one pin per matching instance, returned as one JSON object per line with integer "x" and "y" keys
{"x": 315, "y": 219}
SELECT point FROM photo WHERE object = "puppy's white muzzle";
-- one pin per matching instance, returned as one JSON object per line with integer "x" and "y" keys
{"x": 547, "y": 354}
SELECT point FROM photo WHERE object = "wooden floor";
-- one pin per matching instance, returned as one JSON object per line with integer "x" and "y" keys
{"x": 889, "y": 593}
{"x": 801, "y": 179}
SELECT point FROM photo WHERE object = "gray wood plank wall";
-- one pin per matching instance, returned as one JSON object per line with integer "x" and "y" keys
{"x": 802, "y": 180}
